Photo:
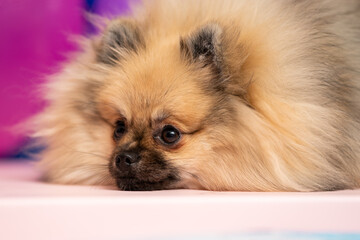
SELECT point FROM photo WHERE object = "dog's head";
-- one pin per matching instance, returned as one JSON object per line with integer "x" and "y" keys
{"x": 168, "y": 105}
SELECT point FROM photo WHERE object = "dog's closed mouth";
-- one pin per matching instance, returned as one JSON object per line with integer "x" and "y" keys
{"x": 135, "y": 184}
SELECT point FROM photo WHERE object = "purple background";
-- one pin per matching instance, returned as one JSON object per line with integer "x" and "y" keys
{"x": 34, "y": 40}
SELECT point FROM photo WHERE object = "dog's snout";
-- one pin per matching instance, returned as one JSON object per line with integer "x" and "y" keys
{"x": 126, "y": 159}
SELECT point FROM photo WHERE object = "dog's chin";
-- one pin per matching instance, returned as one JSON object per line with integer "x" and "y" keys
{"x": 134, "y": 184}
{"x": 171, "y": 182}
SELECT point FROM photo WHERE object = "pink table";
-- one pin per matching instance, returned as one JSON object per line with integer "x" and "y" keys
{"x": 30, "y": 209}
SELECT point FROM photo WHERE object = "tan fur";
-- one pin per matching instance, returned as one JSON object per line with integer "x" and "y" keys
{"x": 293, "y": 95}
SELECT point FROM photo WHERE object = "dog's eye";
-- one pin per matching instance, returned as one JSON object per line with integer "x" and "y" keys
{"x": 120, "y": 129}
{"x": 170, "y": 135}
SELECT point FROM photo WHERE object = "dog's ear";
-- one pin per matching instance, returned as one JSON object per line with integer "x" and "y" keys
{"x": 204, "y": 46}
{"x": 217, "y": 48}
{"x": 121, "y": 36}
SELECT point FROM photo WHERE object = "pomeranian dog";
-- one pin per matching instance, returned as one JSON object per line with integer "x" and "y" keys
{"x": 256, "y": 95}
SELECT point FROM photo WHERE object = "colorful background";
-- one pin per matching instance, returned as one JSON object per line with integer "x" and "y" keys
{"x": 35, "y": 39}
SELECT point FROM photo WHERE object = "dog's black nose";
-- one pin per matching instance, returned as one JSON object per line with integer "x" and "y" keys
{"x": 126, "y": 159}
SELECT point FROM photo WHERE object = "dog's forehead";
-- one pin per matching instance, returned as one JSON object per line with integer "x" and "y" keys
{"x": 152, "y": 86}
{"x": 148, "y": 87}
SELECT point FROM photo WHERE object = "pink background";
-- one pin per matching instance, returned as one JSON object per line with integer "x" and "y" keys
{"x": 34, "y": 40}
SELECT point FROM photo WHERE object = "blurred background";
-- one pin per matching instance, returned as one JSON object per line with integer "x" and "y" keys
{"x": 34, "y": 40}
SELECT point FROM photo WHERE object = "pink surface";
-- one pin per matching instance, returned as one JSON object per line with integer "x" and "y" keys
{"x": 34, "y": 39}
{"x": 35, "y": 210}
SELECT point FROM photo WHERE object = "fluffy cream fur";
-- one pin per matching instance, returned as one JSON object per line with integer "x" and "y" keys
{"x": 288, "y": 120}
